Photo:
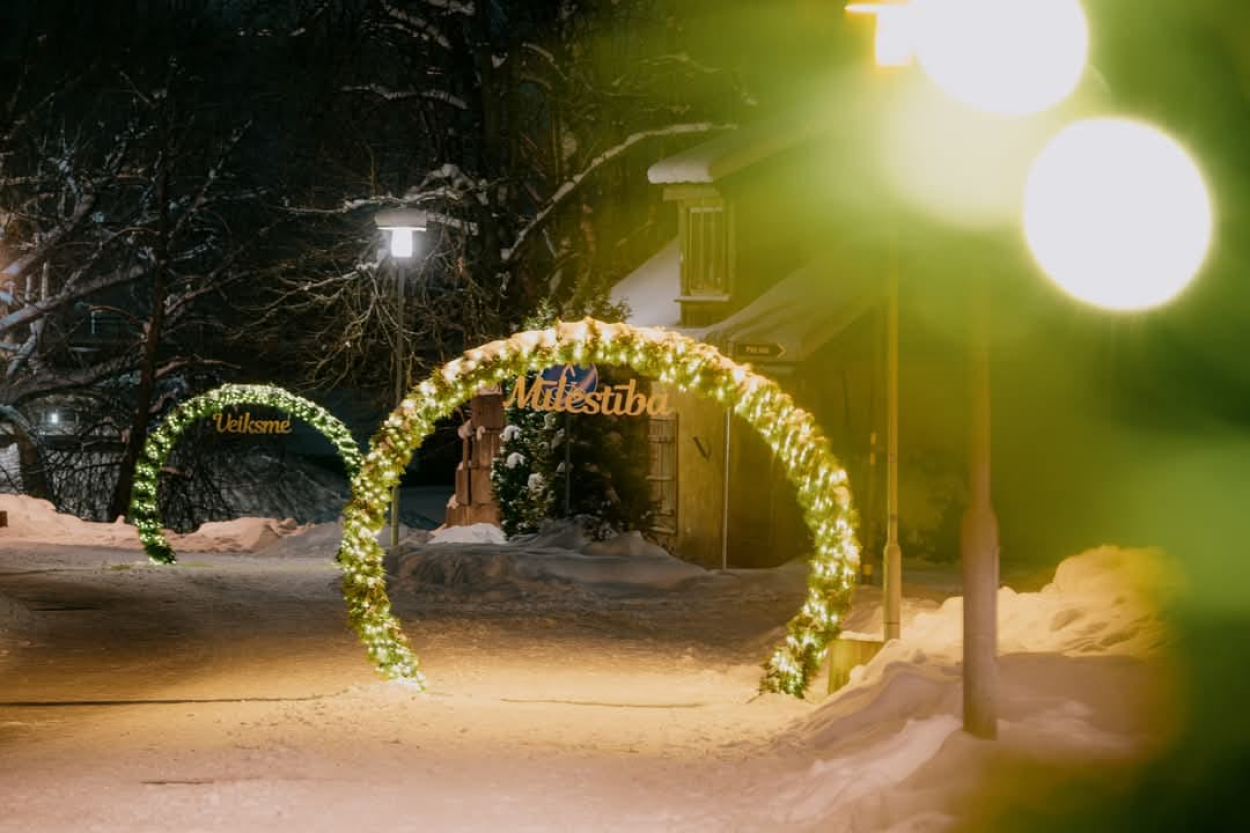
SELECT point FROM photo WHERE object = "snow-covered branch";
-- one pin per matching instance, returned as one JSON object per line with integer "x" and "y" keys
{"x": 453, "y": 6}
{"x": 418, "y": 25}
{"x": 570, "y": 185}
{"x": 30, "y": 312}
{"x": 389, "y": 94}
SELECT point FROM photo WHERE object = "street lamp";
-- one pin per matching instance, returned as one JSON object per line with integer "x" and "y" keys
{"x": 894, "y": 47}
{"x": 1114, "y": 211}
{"x": 1006, "y": 58}
{"x": 400, "y": 223}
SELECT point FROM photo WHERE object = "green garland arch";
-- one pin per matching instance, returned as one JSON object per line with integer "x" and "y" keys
{"x": 820, "y": 480}
{"x": 144, "y": 507}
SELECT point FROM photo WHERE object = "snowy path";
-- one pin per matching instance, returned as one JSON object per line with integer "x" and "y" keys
{"x": 228, "y": 695}
{"x": 253, "y": 705}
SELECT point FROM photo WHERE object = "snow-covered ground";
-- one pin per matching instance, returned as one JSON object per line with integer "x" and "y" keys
{"x": 574, "y": 686}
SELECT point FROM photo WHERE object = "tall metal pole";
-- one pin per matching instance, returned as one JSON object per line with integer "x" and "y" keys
{"x": 724, "y": 505}
{"x": 400, "y": 362}
{"x": 892, "y": 575}
{"x": 568, "y": 462}
{"x": 979, "y": 543}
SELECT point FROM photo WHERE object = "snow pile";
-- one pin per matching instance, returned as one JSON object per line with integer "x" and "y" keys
{"x": 627, "y": 545}
{"x": 869, "y": 770}
{"x": 562, "y": 534}
{"x": 1103, "y": 601}
{"x": 471, "y": 534}
{"x": 1078, "y": 685}
{"x": 37, "y": 520}
{"x": 470, "y": 560}
{"x": 31, "y": 519}
{"x": 239, "y": 535}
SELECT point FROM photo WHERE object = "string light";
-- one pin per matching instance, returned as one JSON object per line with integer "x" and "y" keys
{"x": 144, "y": 506}
{"x": 819, "y": 479}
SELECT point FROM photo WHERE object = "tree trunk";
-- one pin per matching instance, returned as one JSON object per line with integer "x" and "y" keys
{"x": 151, "y": 342}
{"x": 493, "y": 98}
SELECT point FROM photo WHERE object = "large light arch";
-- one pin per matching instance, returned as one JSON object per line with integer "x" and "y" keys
{"x": 820, "y": 480}
{"x": 144, "y": 506}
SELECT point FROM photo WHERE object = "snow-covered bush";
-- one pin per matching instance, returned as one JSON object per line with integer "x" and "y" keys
{"x": 604, "y": 487}
{"x": 523, "y": 454}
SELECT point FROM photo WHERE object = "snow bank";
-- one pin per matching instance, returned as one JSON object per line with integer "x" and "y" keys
{"x": 656, "y": 571}
{"x": 471, "y": 560}
{"x": 1103, "y": 601}
{"x": 239, "y": 535}
{"x": 471, "y": 534}
{"x": 1078, "y": 685}
{"x": 627, "y": 545}
{"x": 561, "y": 534}
{"x": 31, "y": 519}
{"x": 495, "y": 572}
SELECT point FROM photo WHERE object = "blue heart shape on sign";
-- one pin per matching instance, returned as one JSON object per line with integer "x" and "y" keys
{"x": 572, "y": 375}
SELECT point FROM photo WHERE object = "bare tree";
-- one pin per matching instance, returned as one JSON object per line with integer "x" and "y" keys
{"x": 524, "y": 129}
{"x": 117, "y": 247}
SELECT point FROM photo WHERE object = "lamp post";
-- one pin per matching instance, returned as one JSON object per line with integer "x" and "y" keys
{"x": 1005, "y": 57}
{"x": 400, "y": 224}
{"x": 1115, "y": 212}
{"x": 893, "y": 48}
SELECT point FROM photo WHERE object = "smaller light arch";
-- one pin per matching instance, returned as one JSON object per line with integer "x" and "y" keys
{"x": 819, "y": 479}
{"x": 144, "y": 506}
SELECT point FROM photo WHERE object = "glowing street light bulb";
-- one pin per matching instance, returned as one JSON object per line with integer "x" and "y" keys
{"x": 401, "y": 223}
{"x": 1117, "y": 214}
{"x": 401, "y": 242}
{"x": 1008, "y": 57}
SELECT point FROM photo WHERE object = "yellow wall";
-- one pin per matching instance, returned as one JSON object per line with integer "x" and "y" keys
{"x": 700, "y": 462}
{"x": 765, "y": 525}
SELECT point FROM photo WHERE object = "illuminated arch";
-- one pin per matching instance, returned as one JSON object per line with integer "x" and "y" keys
{"x": 144, "y": 507}
{"x": 821, "y": 482}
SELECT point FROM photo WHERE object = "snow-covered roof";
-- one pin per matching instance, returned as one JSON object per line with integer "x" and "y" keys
{"x": 804, "y": 310}
{"x": 651, "y": 290}
{"x": 731, "y": 152}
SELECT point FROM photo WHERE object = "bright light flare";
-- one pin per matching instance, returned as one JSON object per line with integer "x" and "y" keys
{"x": 895, "y": 42}
{"x": 1008, "y": 57}
{"x": 1117, "y": 214}
{"x": 401, "y": 242}
{"x": 959, "y": 165}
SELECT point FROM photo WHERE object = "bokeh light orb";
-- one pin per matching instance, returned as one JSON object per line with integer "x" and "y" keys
{"x": 1117, "y": 214}
{"x": 1008, "y": 57}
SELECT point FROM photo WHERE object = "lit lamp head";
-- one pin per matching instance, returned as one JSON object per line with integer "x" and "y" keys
{"x": 1117, "y": 214}
{"x": 896, "y": 36}
{"x": 1008, "y": 57}
{"x": 401, "y": 223}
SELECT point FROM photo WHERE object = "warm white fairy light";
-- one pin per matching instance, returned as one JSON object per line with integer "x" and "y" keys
{"x": 819, "y": 479}
{"x": 144, "y": 506}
